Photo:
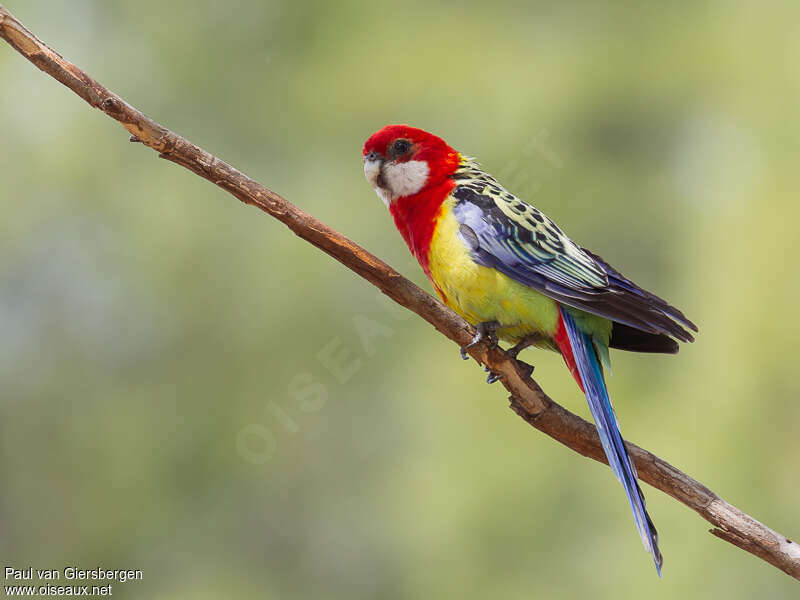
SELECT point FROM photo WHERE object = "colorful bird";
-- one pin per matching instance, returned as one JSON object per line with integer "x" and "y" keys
{"x": 507, "y": 269}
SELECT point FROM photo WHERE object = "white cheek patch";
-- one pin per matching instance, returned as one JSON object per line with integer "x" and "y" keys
{"x": 399, "y": 179}
{"x": 406, "y": 178}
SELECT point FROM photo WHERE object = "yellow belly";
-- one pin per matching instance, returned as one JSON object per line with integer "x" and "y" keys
{"x": 480, "y": 294}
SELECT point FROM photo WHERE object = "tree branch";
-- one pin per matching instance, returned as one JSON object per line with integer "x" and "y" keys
{"x": 527, "y": 398}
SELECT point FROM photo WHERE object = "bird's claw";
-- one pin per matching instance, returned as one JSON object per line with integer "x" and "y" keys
{"x": 484, "y": 331}
{"x": 525, "y": 370}
{"x": 527, "y": 341}
{"x": 492, "y": 377}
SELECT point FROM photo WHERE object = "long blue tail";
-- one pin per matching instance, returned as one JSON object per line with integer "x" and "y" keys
{"x": 591, "y": 375}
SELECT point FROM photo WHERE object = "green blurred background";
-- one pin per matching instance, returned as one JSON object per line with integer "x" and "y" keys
{"x": 163, "y": 404}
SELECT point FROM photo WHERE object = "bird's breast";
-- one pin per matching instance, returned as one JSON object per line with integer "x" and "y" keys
{"x": 479, "y": 293}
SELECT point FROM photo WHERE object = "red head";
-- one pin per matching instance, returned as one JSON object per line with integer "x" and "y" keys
{"x": 401, "y": 161}
{"x": 410, "y": 170}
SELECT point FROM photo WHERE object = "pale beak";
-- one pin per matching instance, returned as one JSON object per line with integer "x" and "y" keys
{"x": 372, "y": 169}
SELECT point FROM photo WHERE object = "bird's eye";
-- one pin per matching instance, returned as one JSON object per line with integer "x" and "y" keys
{"x": 400, "y": 147}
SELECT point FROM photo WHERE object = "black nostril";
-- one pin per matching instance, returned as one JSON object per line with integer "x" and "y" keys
{"x": 372, "y": 156}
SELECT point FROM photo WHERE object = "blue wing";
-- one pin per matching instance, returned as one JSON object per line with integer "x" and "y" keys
{"x": 507, "y": 234}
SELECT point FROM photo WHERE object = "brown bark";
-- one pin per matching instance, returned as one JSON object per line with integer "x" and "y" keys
{"x": 527, "y": 398}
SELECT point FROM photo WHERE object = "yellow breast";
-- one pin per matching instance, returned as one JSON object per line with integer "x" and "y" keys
{"x": 481, "y": 294}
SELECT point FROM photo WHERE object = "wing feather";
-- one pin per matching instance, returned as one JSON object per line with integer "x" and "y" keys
{"x": 507, "y": 234}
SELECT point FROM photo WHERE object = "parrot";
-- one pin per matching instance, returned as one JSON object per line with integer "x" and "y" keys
{"x": 512, "y": 273}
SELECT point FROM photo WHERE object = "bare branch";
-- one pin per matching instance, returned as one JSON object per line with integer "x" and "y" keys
{"x": 527, "y": 398}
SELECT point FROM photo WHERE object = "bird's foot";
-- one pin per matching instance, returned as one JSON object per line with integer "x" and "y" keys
{"x": 483, "y": 331}
{"x": 525, "y": 369}
{"x": 486, "y": 331}
{"x": 528, "y": 340}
